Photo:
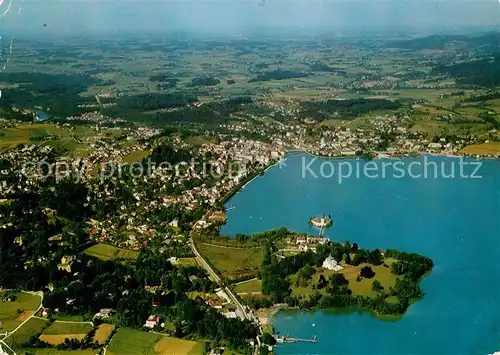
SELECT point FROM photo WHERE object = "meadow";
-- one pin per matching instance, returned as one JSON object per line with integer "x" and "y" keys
{"x": 13, "y": 313}
{"x": 233, "y": 262}
{"x": 136, "y": 156}
{"x": 107, "y": 252}
{"x": 32, "y": 327}
{"x": 248, "y": 286}
{"x": 58, "y": 331}
{"x": 129, "y": 341}
{"x": 492, "y": 148}
{"x": 362, "y": 287}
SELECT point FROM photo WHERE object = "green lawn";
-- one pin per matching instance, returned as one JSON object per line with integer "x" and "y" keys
{"x": 106, "y": 252}
{"x": 58, "y": 327}
{"x": 249, "y": 286}
{"x": 14, "y": 313}
{"x": 233, "y": 262}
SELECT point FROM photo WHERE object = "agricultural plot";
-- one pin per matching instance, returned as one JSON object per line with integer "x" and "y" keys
{"x": 22, "y": 134}
{"x": 233, "y": 262}
{"x": 103, "y": 332}
{"x": 53, "y": 351}
{"x": 187, "y": 262}
{"x": 248, "y": 286}
{"x": 175, "y": 346}
{"x": 32, "y": 327}
{"x": 107, "y": 252}
{"x": 129, "y": 341}
{"x": 136, "y": 156}
{"x": 13, "y": 313}
{"x": 58, "y": 331}
{"x": 482, "y": 149}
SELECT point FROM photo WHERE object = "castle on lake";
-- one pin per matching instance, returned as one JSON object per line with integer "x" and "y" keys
{"x": 321, "y": 221}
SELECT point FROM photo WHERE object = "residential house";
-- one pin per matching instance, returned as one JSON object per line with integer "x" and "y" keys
{"x": 152, "y": 321}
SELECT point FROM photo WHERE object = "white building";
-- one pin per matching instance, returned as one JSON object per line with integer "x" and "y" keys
{"x": 331, "y": 264}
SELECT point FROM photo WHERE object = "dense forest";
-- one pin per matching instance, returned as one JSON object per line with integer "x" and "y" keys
{"x": 278, "y": 75}
{"x": 483, "y": 72}
{"x": 58, "y": 94}
{"x": 322, "y": 110}
{"x": 204, "y": 81}
{"x": 322, "y": 67}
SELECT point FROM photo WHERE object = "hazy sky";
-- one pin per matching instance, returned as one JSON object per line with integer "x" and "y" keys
{"x": 237, "y": 16}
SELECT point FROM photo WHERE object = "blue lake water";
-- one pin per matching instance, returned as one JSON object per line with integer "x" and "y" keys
{"x": 454, "y": 221}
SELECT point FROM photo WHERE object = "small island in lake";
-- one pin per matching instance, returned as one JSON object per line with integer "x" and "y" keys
{"x": 321, "y": 221}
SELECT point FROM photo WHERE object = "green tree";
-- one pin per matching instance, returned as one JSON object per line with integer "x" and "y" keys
{"x": 338, "y": 280}
{"x": 377, "y": 286}
{"x": 268, "y": 339}
{"x": 367, "y": 272}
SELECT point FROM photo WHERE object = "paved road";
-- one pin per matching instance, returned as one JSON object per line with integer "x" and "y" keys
{"x": 217, "y": 279}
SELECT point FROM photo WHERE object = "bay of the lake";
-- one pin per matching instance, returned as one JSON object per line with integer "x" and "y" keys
{"x": 454, "y": 221}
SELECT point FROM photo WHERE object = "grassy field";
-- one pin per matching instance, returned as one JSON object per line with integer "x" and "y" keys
{"x": 22, "y": 133}
{"x": 57, "y": 332}
{"x": 187, "y": 261}
{"x": 32, "y": 327}
{"x": 484, "y": 148}
{"x": 14, "y": 313}
{"x": 63, "y": 139}
{"x": 76, "y": 318}
{"x": 136, "y": 156}
{"x": 102, "y": 333}
{"x": 175, "y": 346}
{"x": 57, "y": 328}
{"x": 61, "y": 352}
{"x": 106, "y": 252}
{"x": 363, "y": 287}
{"x": 233, "y": 262}
{"x": 135, "y": 342}
{"x": 249, "y": 286}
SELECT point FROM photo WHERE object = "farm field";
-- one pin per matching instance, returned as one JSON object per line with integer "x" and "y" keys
{"x": 136, "y": 342}
{"x": 61, "y": 352}
{"x": 233, "y": 262}
{"x": 175, "y": 346}
{"x": 63, "y": 140}
{"x": 103, "y": 332}
{"x": 22, "y": 134}
{"x": 58, "y": 331}
{"x": 32, "y": 327}
{"x": 187, "y": 261}
{"x": 10, "y": 318}
{"x": 248, "y": 286}
{"x": 106, "y": 252}
{"x": 136, "y": 156}
{"x": 484, "y": 148}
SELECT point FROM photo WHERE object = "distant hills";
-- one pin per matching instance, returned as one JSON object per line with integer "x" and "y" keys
{"x": 488, "y": 42}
